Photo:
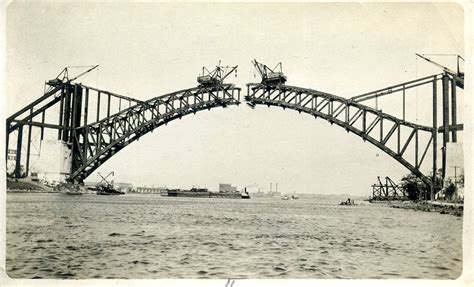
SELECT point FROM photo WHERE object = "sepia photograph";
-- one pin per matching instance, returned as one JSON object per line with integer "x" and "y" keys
{"x": 236, "y": 141}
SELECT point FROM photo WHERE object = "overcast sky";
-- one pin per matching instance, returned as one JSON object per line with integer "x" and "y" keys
{"x": 145, "y": 50}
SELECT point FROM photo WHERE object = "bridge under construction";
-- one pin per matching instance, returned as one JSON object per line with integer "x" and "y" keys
{"x": 94, "y": 124}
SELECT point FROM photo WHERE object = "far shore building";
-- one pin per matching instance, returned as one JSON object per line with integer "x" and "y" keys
{"x": 224, "y": 187}
{"x": 149, "y": 190}
{"x": 123, "y": 186}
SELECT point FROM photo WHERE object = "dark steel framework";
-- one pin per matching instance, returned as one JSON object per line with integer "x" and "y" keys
{"x": 387, "y": 191}
{"x": 95, "y": 143}
{"x": 92, "y": 139}
{"x": 94, "y": 135}
{"x": 371, "y": 124}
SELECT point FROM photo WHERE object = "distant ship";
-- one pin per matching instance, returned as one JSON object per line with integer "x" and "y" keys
{"x": 204, "y": 193}
{"x": 193, "y": 192}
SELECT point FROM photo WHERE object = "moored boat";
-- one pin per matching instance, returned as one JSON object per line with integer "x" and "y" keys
{"x": 107, "y": 188}
{"x": 294, "y": 196}
{"x": 348, "y": 202}
{"x": 245, "y": 194}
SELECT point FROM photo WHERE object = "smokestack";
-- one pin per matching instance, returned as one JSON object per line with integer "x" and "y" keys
{"x": 276, "y": 187}
{"x": 270, "y": 187}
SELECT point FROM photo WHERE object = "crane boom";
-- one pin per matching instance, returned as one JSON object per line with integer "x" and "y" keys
{"x": 446, "y": 69}
{"x": 82, "y": 74}
{"x": 458, "y": 77}
{"x": 104, "y": 179}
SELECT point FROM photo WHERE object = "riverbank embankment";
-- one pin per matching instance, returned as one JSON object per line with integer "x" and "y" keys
{"x": 27, "y": 186}
{"x": 455, "y": 209}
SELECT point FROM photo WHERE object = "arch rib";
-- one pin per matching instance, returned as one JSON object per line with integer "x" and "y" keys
{"x": 96, "y": 142}
{"x": 350, "y": 115}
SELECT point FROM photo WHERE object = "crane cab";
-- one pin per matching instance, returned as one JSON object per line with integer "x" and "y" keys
{"x": 216, "y": 76}
{"x": 274, "y": 78}
{"x": 270, "y": 76}
{"x": 54, "y": 82}
{"x": 207, "y": 80}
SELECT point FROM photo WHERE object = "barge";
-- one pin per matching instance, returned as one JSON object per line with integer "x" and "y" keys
{"x": 203, "y": 193}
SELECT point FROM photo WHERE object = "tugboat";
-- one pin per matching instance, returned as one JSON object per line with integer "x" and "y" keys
{"x": 245, "y": 194}
{"x": 294, "y": 196}
{"x": 105, "y": 187}
{"x": 348, "y": 202}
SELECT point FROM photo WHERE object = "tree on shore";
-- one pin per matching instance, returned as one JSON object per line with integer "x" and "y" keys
{"x": 449, "y": 190}
{"x": 411, "y": 185}
{"x": 461, "y": 180}
{"x": 416, "y": 189}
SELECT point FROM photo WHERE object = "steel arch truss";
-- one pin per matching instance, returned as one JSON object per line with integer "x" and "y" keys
{"x": 392, "y": 135}
{"x": 95, "y": 143}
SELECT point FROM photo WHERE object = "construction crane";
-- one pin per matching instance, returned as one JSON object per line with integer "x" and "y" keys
{"x": 270, "y": 76}
{"x": 216, "y": 76}
{"x": 104, "y": 180}
{"x": 104, "y": 187}
{"x": 388, "y": 190}
{"x": 458, "y": 76}
{"x": 63, "y": 76}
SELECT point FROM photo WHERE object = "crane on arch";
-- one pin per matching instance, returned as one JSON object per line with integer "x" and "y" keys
{"x": 269, "y": 76}
{"x": 63, "y": 76}
{"x": 216, "y": 76}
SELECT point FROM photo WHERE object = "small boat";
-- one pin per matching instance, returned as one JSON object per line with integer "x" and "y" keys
{"x": 294, "y": 196}
{"x": 245, "y": 194}
{"x": 285, "y": 197}
{"x": 107, "y": 190}
{"x": 348, "y": 202}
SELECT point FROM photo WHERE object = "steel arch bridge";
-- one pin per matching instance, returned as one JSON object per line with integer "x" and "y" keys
{"x": 93, "y": 140}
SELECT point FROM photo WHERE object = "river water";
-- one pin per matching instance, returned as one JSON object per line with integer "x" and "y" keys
{"x": 149, "y": 236}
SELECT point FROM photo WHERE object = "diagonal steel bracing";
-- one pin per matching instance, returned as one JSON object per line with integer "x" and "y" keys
{"x": 95, "y": 143}
{"x": 96, "y": 133}
{"x": 352, "y": 116}
{"x": 96, "y": 124}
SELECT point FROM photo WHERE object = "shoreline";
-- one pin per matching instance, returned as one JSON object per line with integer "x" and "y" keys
{"x": 430, "y": 206}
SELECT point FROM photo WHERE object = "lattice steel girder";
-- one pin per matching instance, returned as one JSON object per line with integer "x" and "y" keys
{"x": 396, "y": 88}
{"x": 37, "y": 106}
{"x": 113, "y": 133}
{"x": 348, "y": 114}
{"x": 388, "y": 190}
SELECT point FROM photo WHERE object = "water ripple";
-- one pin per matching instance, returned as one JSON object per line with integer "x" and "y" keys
{"x": 157, "y": 237}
